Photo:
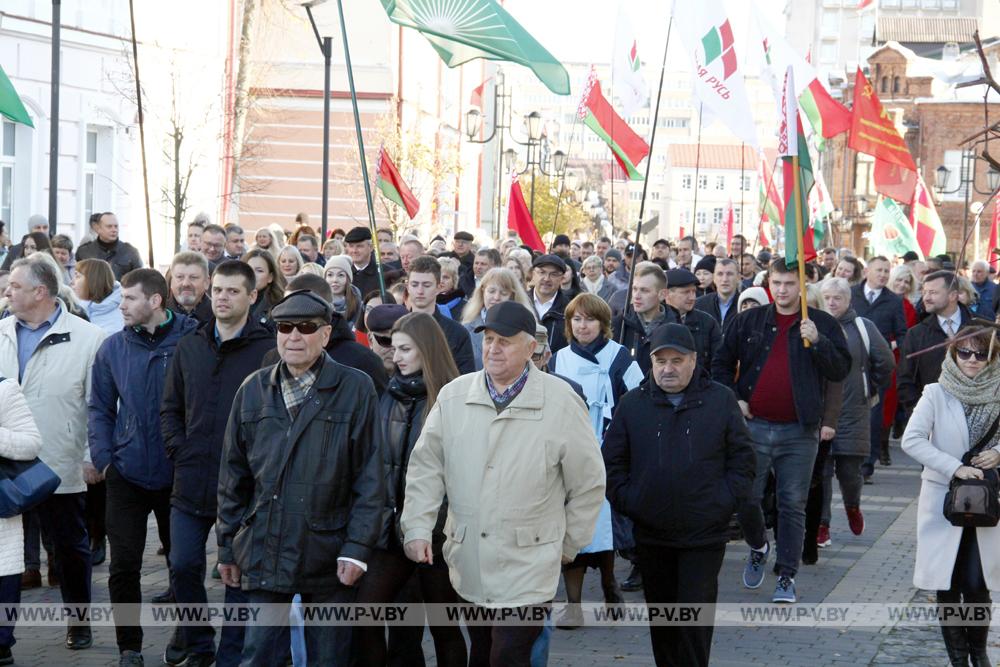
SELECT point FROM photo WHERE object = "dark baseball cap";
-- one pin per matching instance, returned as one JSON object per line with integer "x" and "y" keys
{"x": 508, "y": 318}
{"x": 673, "y": 336}
{"x": 550, "y": 260}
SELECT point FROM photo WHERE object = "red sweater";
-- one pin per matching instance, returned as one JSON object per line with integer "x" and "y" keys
{"x": 772, "y": 397}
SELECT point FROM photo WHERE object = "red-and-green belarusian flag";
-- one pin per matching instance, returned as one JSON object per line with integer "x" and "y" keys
{"x": 392, "y": 185}
{"x": 791, "y": 144}
{"x": 597, "y": 113}
{"x": 771, "y": 204}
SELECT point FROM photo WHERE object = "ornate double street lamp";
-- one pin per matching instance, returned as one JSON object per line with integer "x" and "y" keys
{"x": 966, "y": 183}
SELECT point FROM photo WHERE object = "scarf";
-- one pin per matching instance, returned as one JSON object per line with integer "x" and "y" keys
{"x": 977, "y": 395}
{"x": 295, "y": 390}
{"x": 591, "y": 286}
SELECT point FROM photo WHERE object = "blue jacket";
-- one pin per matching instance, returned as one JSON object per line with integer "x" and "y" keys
{"x": 123, "y": 426}
{"x": 106, "y": 313}
{"x": 987, "y": 295}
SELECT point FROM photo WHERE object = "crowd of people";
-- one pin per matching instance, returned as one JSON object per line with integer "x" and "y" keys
{"x": 466, "y": 425}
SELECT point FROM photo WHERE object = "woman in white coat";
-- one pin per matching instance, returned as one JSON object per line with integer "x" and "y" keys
{"x": 952, "y": 416}
{"x": 19, "y": 441}
{"x": 605, "y": 371}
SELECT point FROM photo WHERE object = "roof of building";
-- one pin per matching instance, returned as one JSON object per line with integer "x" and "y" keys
{"x": 923, "y": 29}
{"x": 716, "y": 156}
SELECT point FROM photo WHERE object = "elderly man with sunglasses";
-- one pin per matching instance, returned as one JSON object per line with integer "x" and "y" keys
{"x": 301, "y": 490}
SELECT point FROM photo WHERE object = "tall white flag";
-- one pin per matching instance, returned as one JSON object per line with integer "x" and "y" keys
{"x": 718, "y": 79}
{"x": 626, "y": 68}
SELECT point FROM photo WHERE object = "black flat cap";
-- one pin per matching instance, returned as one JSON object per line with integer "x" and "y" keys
{"x": 680, "y": 278}
{"x": 383, "y": 317}
{"x": 550, "y": 260}
{"x": 301, "y": 305}
{"x": 671, "y": 336}
{"x": 508, "y": 318}
{"x": 464, "y": 236}
{"x": 358, "y": 234}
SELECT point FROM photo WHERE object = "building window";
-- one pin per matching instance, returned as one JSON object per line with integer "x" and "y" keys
{"x": 703, "y": 182}
{"x": 737, "y": 216}
{"x": 949, "y": 4}
{"x": 686, "y": 182}
{"x": 745, "y": 185}
{"x": 720, "y": 182}
{"x": 674, "y": 122}
{"x": 930, "y": 4}
{"x": 655, "y": 195}
{"x": 716, "y": 216}
{"x": 895, "y": 84}
{"x": 908, "y": 3}
{"x": 828, "y": 52}
{"x": 884, "y": 87}
{"x": 89, "y": 174}
{"x": 831, "y": 24}
{"x": 700, "y": 220}
{"x": 8, "y": 151}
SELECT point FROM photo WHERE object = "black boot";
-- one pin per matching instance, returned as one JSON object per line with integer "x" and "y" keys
{"x": 634, "y": 580}
{"x": 977, "y": 635}
{"x": 957, "y": 645}
{"x": 883, "y": 454}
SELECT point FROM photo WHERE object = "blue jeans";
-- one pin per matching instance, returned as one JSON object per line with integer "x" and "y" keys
{"x": 790, "y": 451}
{"x": 10, "y": 593}
{"x": 540, "y": 650}
{"x": 188, "y": 535}
{"x": 266, "y": 645}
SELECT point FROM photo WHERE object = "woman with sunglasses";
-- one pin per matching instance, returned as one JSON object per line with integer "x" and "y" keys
{"x": 605, "y": 370}
{"x": 423, "y": 365}
{"x": 954, "y": 415}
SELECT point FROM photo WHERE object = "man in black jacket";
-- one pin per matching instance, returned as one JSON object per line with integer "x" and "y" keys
{"x": 209, "y": 365}
{"x": 547, "y": 296}
{"x": 649, "y": 289}
{"x": 872, "y": 300}
{"x": 681, "y": 296}
{"x": 301, "y": 491}
{"x": 781, "y": 393}
{"x": 945, "y": 316}
{"x": 422, "y": 287}
{"x": 358, "y": 246}
{"x": 680, "y": 503}
{"x": 722, "y": 303}
{"x": 107, "y": 246}
{"x": 342, "y": 347}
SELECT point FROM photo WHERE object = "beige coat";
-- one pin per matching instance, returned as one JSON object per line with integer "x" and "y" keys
{"x": 56, "y": 386}
{"x": 524, "y": 487}
{"x": 937, "y": 436}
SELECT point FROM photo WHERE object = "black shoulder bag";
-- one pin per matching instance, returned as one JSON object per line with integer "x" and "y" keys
{"x": 975, "y": 503}
{"x": 24, "y": 484}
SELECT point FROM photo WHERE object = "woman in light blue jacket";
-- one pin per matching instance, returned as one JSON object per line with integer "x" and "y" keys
{"x": 99, "y": 295}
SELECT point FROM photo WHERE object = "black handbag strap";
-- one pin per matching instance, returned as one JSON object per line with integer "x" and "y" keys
{"x": 985, "y": 440}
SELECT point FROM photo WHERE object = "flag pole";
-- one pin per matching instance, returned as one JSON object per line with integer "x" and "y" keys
{"x": 800, "y": 260}
{"x": 645, "y": 182}
{"x": 361, "y": 153}
{"x": 697, "y": 170}
{"x": 142, "y": 134}
{"x": 743, "y": 150}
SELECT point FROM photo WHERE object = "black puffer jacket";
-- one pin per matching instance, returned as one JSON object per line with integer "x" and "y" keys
{"x": 294, "y": 496}
{"x": 120, "y": 255}
{"x": 401, "y": 411}
{"x": 679, "y": 473}
{"x": 706, "y": 332}
{"x": 198, "y": 393}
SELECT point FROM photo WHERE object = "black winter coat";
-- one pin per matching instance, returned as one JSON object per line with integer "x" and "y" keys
{"x": 710, "y": 304}
{"x": 198, "y": 394}
{"x": 401, "y": 411}
{"x": 747, "y": 344}
{"x": 366, "y": 280}
{"x": 706, "y": 332}
{"x": 122, "y": 256}
{"x": 459, "y": 342}
{"x": 679, "y": 473}
{"x": 912, "y": 375}
{"x": 345, "y": 349}
{"x": 554, "y": 320}
{"x": 294, "y": 495}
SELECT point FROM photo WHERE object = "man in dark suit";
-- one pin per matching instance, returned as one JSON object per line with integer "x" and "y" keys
{"x": 872, "y": 300}
{"x": 721, "y": 304}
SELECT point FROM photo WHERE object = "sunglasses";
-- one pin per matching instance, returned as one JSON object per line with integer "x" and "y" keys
{"x": 965, "y": 354}
{"x": 384, "y": 341}
{"x": 305, "y": 328}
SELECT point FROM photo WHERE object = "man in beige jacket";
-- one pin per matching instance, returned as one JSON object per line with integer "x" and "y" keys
{"x": 513, "y": 451}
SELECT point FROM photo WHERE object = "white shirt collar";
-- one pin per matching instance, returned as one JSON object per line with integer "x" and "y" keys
{"x": 869, "y": 291}
{"x": 542, "y": 308}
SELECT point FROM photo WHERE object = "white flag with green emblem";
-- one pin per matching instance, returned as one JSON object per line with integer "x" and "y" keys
{"x": 627, "y": 82}
{"x": 463, "y": 30}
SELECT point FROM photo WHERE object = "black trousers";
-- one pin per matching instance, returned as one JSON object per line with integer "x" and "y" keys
{"x": 96, "y": 512}
{"x": 64, "y": 518}
{"x": 502, "y": 645}
{"x": 967, "y": 582}
{"x": 680, "y": 576}
{"x": 128, "y": 508}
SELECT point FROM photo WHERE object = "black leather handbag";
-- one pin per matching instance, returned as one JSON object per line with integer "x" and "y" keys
{"x": 975, "y": 503}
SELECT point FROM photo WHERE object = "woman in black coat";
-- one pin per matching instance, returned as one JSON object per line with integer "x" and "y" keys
{"x": 423, "y": 365}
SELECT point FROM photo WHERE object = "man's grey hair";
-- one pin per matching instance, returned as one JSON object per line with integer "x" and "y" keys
{"x": 40, "y": 272}
{"x": 190, "y": 258}
{"x": 836, "y": 285}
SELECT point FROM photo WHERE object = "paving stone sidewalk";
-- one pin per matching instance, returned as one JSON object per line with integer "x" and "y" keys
{"x": 874, "y": 567}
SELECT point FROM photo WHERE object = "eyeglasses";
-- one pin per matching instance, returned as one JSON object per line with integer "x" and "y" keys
{"x": 384, "y": 341}
{"x": 305, "y": 328}
{"x": 965, "y": 354}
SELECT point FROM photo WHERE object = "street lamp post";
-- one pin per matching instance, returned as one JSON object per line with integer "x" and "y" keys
{"x": 326, "y": 46}
{"x": 535, "y": 157}
{"x": 966, "y": 183}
